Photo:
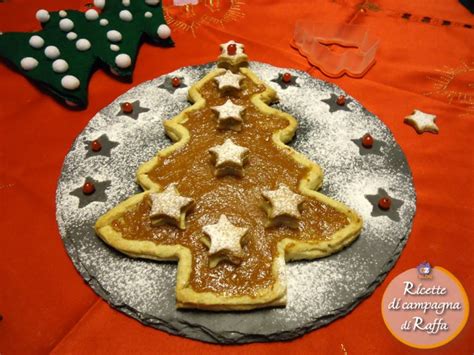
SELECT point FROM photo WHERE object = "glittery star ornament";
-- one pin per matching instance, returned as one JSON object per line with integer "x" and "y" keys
{"x": 422, "y": 122}
{"x": 135, "y": 111}
{"x": 225, "y": 241}
{"x": 229, "y": 158}
{"x": 169, "y": 207}
{"x": 228, "y": 81}
{"x": 98, "y": 195}
{"x": 106, "y": 146}
{"x": 233, "y": 59}
{"x": 392, "y": 212}
{"x": 285, "y": 82}
{"x": 283, "y": 206}
{"x": 230, "y": 116}
{"x": 334, "y": 106}
{"x": 169, "y": 85}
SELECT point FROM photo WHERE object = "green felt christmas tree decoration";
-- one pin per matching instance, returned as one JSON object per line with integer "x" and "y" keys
{"x": 62, "y": 56}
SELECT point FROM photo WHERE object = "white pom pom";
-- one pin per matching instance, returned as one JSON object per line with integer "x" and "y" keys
{"x": 83, "y": 45}
{"x": 123, "y": 61}
{"x": 99, "y": 3}
{"x": 60, "y": 66}
{"x": 66, "y": 25}
{"x": 92, "y": 15}
{"x": 71, "y": 36}
{"x": 148, "y": 14}
{"x": 126, "y": 15}
{"x": 152, "y": 2}
{"x": 114, "y": 36}
{"x": 163, "y": 31}
{"x": 70, "y": 82}
{"x": 52, "y": 52}
{"x": 126, "y": 2}
{"x": 114, "y": 47}
{"x": 104, "y": 22}
{"x": 42, "y": 16}
{"x": 36, "y": 41}
{"x": 62, "y": 13}
{"x": 28, "y": 63}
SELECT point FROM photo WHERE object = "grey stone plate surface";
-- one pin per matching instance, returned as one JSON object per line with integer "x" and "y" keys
{"x": 319, "y": 291}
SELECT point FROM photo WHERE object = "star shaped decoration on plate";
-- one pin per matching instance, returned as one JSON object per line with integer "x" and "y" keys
{"x": 228, "y": 80}
{"x": 391, "y": 212}
{"x": 137, "y": 109}
{"x": 98, "y": 195}
{"x": 229, "y": 158}
{"x": 167, "y": 84}
{"x": 283, "y": 208}
{"x": 230, "y": 115}
{"x": 422, "y": 122}
{"x": 283, "y": 84}
{"x": 334, "y": 106}
{"x": 374, "y": 149}
{"x": 225, "y": 241}
{"x": 169, "y": 207}
{"x": 103, "y": 142}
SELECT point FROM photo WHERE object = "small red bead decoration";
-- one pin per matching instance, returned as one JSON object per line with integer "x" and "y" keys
{"x": 286, "y": 77}
{"x": 367, "y": 141}
{"x": 231, "y": 49}
{"x": 127, "y": 107}
{"x": 385, "y": 203}
{"x": 96, "y": 146}
{"x": 176, "y": 82}
{"x": 88, "y": 188}
{"x": 341, "y": 100}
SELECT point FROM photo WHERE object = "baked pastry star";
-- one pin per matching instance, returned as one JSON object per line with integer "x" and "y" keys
{"x": 228, "y": 80}
{"x": 230, "y": 115}
{"x": 232, "y": 56}
{"x": 422, "y": 122}
{"x": 169, "y": 207}
{"x": 225, "y": 241}
{"x": 229, "y": 158}
{"x": 283, "y": 208}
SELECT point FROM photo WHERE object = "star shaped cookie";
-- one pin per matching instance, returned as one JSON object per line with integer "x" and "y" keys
{"x": 229, "y": 158}
{"x": 169, "y": 207}
{"x": 422, "y": 122}
{"x": 232, "y": 56}
{"x": 228, "y": 80}
{"x": 225, "y": 241}
{"x": 229, "y": 115}
{"x": 283, "y": 206}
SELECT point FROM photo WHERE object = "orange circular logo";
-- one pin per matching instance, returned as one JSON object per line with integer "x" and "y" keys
{"x": 425, "y": 307}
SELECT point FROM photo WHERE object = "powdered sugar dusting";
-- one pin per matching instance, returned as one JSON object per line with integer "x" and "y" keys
{"x": 319, "y": 290}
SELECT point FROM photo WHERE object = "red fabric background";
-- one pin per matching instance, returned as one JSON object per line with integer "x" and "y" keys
{"x": 47, "y": 307}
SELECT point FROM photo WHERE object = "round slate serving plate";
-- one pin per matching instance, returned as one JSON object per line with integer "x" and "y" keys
{"x": 319, "y": 291}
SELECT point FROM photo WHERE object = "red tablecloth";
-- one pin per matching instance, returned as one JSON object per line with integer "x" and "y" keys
{"x": 423, "y": 64}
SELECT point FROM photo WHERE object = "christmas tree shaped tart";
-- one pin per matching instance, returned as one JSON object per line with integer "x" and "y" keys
{"x": 229, "y": 200}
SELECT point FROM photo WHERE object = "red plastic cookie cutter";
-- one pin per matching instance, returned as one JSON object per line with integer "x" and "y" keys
{"x": 316, "y": 41}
